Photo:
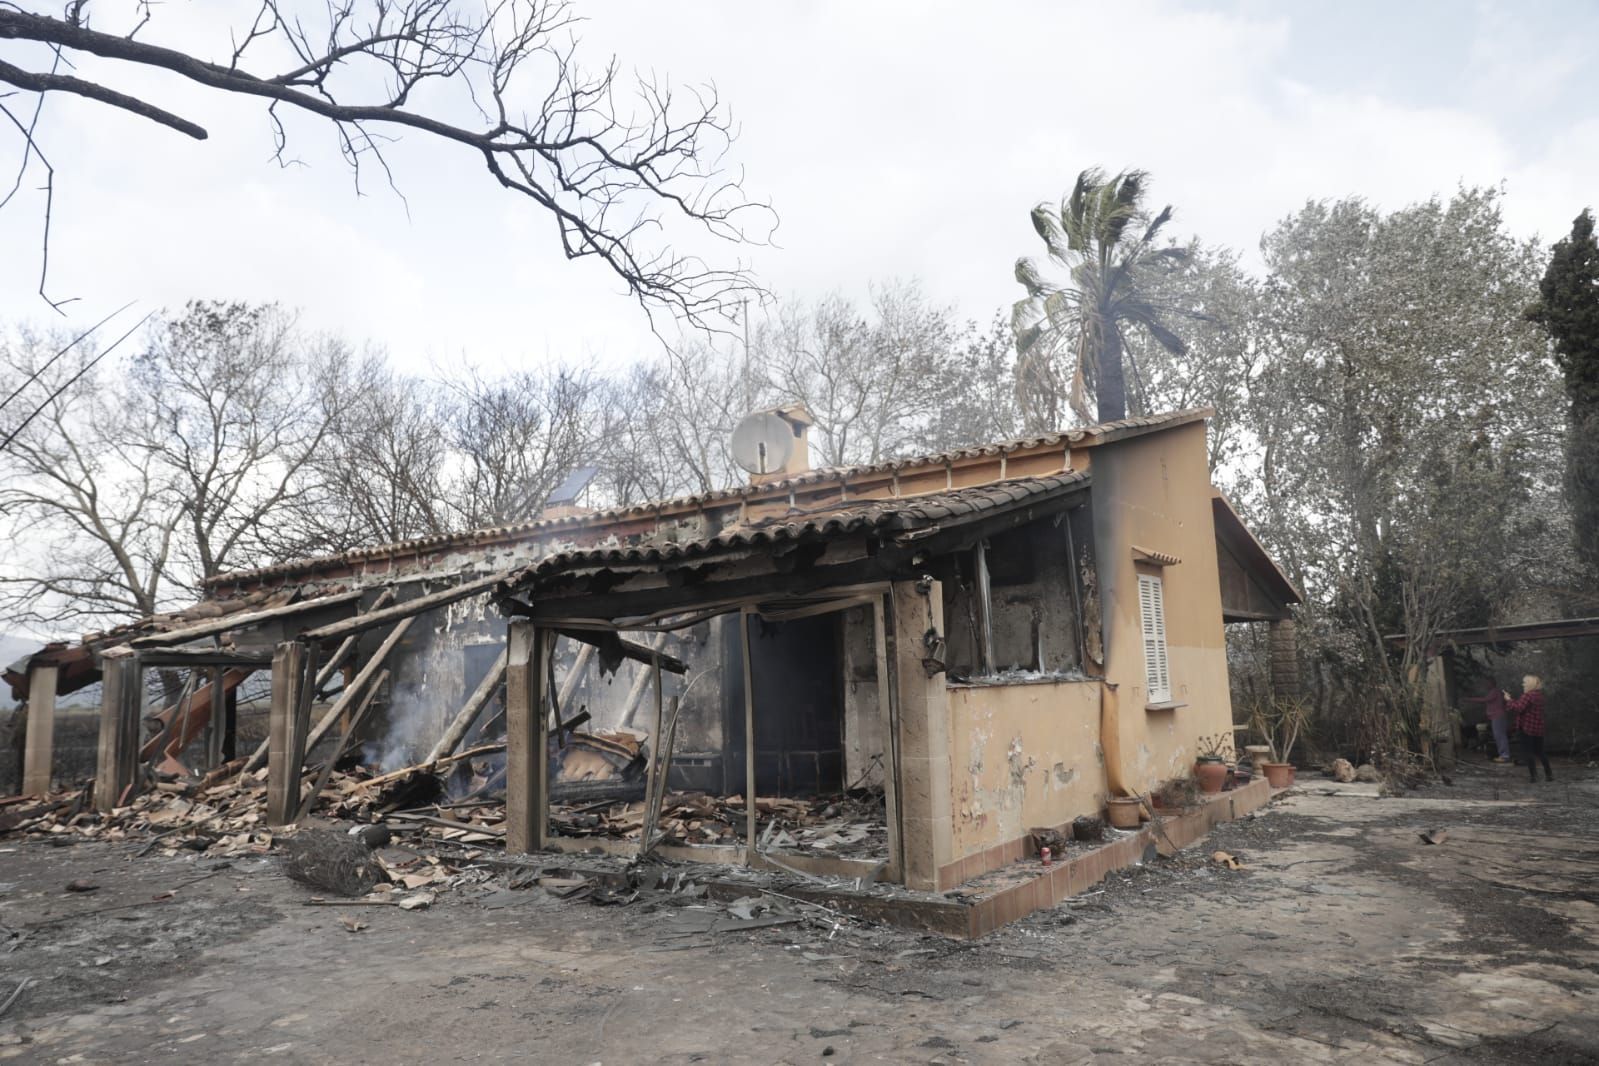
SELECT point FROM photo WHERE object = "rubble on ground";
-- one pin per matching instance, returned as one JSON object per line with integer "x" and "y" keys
{"x": 415, "y": 838}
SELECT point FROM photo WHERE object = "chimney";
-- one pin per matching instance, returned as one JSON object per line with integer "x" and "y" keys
{"x": 799, "y": 421}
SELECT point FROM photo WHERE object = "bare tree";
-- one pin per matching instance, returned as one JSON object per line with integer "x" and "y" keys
{"x": 84, "y": 501}
{"x": 153, "y": 472}
{"x": 875, "y": 385}
{"x": 977, "y": 402}
{"x": 671, "y": 422}
{"x": 241, "y": 404}
{"x": 513, "y": 439}
{"x": 382, "y": 473}
{"x": 614, "y": 178}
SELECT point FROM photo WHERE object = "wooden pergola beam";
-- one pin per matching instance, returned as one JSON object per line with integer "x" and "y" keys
{"x": 409, "y": 609}
{"x": 639, "y": 653}
{"x": 229, "y": 622}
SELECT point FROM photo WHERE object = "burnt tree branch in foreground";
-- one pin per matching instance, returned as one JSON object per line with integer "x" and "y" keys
{"x": 612, "y": 176}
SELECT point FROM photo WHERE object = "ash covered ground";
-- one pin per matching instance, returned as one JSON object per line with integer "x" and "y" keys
{"x": 1343, "y": 937}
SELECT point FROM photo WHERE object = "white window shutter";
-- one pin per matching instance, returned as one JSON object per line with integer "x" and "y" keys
{"x": 1152, "y": 614}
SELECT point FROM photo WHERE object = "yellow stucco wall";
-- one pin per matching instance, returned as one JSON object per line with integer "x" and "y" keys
{"x": 1154, "y": 492}
{"x": 1022, "y": 756}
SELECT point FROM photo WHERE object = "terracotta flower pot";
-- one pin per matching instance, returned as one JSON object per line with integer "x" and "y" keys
{"x": 1124, "y": 813}
{"x": 1279, "y": 774}
{"x": 1212, "y": 775}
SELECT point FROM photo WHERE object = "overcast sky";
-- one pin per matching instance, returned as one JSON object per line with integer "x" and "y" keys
{"x": 903, "y": 140}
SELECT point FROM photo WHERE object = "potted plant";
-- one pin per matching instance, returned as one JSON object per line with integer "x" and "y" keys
{"x": 1279, "y": 722}
{"x": 1210, "y": 766}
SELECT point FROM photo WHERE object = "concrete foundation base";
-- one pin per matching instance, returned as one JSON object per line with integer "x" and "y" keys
{"x": 1003, "y": 896}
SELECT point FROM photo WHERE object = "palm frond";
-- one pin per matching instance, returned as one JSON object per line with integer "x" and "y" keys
{"x": 1156, "y": 223}
{"x": 1130, "y": 186}
{"x": 1049, "y": 228}
{"x": 1163, "y": 335}
{"x": 1031, "y": 277}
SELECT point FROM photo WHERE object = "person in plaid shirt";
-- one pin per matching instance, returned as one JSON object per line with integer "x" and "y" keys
{"x": 1527, "y": 709}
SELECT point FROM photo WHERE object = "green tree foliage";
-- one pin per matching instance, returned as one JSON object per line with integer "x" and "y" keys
{"x": 1407, "y": 422}
{"x": 1568, "y": 308}
{"x": 1110, "y": 249}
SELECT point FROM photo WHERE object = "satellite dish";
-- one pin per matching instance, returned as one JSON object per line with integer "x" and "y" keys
{"x": 762, "y": 443}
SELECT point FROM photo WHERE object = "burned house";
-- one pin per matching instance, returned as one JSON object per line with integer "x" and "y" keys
{"x": 949, "y": 650}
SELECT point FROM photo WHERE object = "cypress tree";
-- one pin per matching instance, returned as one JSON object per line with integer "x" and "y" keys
{"x": 1568, "y": 309}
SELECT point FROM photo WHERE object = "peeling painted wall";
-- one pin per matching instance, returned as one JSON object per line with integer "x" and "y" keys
{"x": 1022, "y": 756}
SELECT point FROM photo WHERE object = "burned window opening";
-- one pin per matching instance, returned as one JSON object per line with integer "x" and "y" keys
{"x": 1029, "y": 624}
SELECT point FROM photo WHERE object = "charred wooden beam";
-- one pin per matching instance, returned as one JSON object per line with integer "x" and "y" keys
{"x": 409, "y": 609}
{"x": 357, "y": 720}
{"x": 229, "y": 622}
{"x": 187, "y": 658}
{"x": 983, "y": 594}
{"x": 351, "y": 693}
{"x": 462, "y": 722}
{"x": 614, "y": 646}
{"x": 349, "y": 644}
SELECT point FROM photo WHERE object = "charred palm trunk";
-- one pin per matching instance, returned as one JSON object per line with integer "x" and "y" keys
{"x": 1112, "y": 381}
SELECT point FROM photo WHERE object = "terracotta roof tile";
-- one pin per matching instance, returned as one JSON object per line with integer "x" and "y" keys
{"x": 1085, "y": 436}
{"x": 901, "y": 514}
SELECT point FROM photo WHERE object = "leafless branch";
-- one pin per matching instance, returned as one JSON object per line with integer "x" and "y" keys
{"x": 614, "y": 175}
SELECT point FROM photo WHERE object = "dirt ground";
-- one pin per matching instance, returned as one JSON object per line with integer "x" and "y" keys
{"x": 1344, "y": 937}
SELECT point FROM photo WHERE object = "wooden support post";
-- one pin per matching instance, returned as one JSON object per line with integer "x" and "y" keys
{"x": 894, "y": 872}
{"x": 653, "y": 766}
{"x": 751, "y": 816}
{"x": 230, "y": 724}
{"x": 38, "y": 756}
{"x": 921, "y": 703}
{"x": 121, "y": 700}
{"x": 291, "y": 689}
{"x": 983, "y": 593}
{"x": 215, "y": 727}
{"x": 527, "y": 810}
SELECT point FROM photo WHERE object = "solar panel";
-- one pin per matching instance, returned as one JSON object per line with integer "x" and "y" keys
{"x": 571, "y": 488}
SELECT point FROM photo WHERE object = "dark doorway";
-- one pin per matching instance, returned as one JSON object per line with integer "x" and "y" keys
{"x": 799, "y": 707}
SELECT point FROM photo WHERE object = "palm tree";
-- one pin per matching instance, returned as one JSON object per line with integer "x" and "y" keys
{"x": 1102, "y": 299}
